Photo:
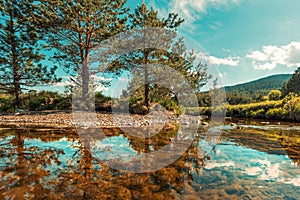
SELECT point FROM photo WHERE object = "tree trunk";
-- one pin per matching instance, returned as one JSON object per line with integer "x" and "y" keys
{"x": 147, "y": 88}
{"x": 146, "y": 82}
{"x": 14, "y": 63}
{"x": 85, "y": 79}
{"x": 84, "y": 65}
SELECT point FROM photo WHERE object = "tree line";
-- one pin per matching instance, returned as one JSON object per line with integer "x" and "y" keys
{"x": 66, "y": 32}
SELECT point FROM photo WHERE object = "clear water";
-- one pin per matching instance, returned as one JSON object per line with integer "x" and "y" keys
{"x": 255, "y": 162}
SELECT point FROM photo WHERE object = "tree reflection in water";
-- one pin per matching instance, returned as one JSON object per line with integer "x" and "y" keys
{"x": 51, "y": 163}
{"x": 24, "y": 169}
{"x": 30, "y": 170}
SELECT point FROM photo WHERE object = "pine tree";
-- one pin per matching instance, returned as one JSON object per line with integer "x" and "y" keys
{"x": 20, "y": 55}
{"x": 75, "y": 27}
{"x": 140, "y": 59}
{"x": 292, "y": 85}
{"x": 148, "y": 29}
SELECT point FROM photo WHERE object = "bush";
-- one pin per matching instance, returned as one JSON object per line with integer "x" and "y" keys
{"x": 252, "y": 110}
{"x": 102, "y": 102}
{"x": 34, "y": 104}
{"x": 257, "y": 114}
{"x": 171, "y": 105}
{"x": 6, "y": 103}
{"x": 46, "y": 100}
{"x": 292, "y": 106}
{"x": 62, "y": 103}
{"x": 274, "y": 95}
{"x": 276, "y": 113}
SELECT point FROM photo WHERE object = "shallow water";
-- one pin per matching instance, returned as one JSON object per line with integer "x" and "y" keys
{"x": 254, "y": 162}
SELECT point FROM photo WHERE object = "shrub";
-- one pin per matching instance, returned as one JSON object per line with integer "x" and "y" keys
{"x": 34, "y": 104}
{"x": 256, "y": 114}
{"x": 102, "y": 102}
{"x": 292, "y": 106}
{"x": 171, "y": 105}
{"x": 253, "y": 110}
{"x": 276, "y": 113}
{"x": 274, "y": 95}
{"x": 62, "y": 103}
{"x": 6, "y": 103}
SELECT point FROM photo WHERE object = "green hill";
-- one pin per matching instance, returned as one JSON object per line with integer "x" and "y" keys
{"x": 255, "y": 91}
{"x": 261, "y": 85}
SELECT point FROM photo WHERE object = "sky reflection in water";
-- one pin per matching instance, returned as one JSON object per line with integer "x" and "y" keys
{"x": 233, "y": 168}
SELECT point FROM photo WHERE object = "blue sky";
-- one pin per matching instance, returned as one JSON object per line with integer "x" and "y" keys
{"x": 245, "y": 39}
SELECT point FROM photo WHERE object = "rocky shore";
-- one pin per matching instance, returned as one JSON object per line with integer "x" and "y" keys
{"x": 66, "y": 119}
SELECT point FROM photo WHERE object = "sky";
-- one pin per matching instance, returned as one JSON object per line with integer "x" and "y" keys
{"x": 243, "y": 40}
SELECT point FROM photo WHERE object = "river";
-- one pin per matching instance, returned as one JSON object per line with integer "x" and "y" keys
{"x": 251, "y": 161}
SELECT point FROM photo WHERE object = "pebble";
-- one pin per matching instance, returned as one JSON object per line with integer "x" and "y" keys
{"x": 66, "y": 118}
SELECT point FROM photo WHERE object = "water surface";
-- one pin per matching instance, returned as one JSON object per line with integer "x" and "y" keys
{"x": 254, "y": 162}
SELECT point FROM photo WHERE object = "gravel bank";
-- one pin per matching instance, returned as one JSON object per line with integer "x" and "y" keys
{"x": 65, "y": 118}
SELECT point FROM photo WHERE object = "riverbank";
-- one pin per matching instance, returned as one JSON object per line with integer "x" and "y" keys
{"x": 287, "y": 110}
{"x": 66, "y": 119}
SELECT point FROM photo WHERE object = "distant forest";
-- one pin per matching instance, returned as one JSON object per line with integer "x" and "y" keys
{"x": 264, "y": 85}
{"x": 257, "y": 90}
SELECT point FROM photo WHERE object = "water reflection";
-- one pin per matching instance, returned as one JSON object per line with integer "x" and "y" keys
{"x": 51, "y": 163}
{"x": 247, "y": 173}
{"x": 269, "y": 140}
{"x": 27, "y": 163}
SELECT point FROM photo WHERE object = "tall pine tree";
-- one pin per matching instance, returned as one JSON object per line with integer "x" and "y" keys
{"x": 157, "y": 47}
{"x": 75, "y": 27}
{"x": 20, "y": 55}
{"x": 140, "y": 59}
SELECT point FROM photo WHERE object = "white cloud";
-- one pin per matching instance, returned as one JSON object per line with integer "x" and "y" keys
{"x": 294, "y": 53}
{"x": 265, "y": 66}
{"x": 192, "y": 10}
{"x": 257, "y": 55}
{"x": 229, "y": 61}
{"x": 271, "y": 56}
